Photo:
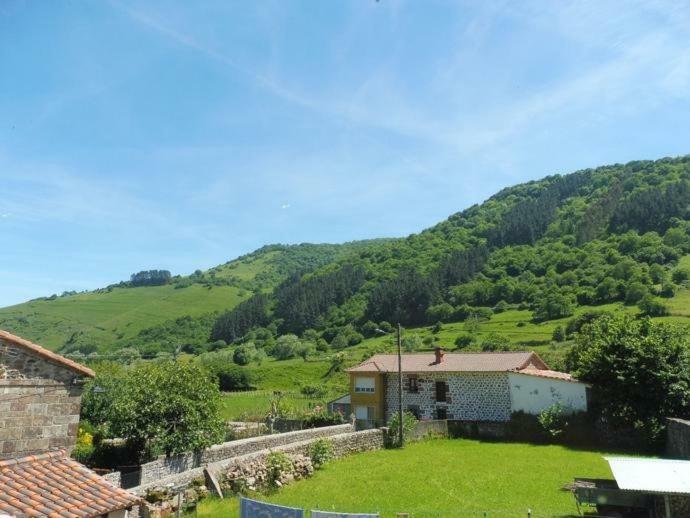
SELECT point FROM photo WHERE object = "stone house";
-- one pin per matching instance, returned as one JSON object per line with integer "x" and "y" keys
{"x": 40, "y": 398}
{"x": 479, "y": 387}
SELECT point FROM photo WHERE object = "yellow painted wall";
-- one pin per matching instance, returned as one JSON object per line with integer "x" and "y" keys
{"x": 375, "y": 399}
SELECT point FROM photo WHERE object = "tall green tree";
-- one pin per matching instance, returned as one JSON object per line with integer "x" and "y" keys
{"x": 171, "y": 407}
{"x": 639, "y": 370}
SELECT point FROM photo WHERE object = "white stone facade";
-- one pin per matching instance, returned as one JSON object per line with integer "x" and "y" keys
{"x": 471, "y": 396}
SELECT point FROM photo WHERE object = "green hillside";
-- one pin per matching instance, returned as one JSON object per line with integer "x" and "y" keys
{"x": 119, "y": 315}
{"x": 503, "y": 274}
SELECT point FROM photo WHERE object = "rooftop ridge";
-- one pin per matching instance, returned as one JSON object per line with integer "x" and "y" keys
{"x": 46, "y": 354}
{"x": 49, "y": 455}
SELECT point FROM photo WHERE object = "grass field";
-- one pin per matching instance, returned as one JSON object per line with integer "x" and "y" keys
{"x": 441, "y": 478}
{"x": 120, "y": 313}
{"x": 285, "y": 376}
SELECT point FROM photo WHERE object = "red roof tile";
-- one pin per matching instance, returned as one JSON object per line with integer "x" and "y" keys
{"x": 545, "y": 373}
{"x": 46, "y": 354}
{"x": 52, "y": 484}
{"x": 453, "y": 362}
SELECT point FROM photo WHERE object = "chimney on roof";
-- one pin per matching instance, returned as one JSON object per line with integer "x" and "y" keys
{"x": 438, "y": 351}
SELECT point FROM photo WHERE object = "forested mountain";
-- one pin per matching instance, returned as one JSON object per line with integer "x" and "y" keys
{"x": 591, "y": 237}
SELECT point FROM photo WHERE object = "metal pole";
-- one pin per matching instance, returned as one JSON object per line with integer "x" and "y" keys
{"x": 400, "y": 388}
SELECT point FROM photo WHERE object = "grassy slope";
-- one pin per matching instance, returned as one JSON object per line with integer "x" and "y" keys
{"x": 465, "y": 478}
{"x": 109, "y": 316}
{"x": 290, "y": 375}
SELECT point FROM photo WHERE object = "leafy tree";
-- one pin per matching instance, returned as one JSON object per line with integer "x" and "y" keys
{"x": 306, "y": 349}
{"x": 440, "y": 313}
{"x": 369, "y": 328}
{"x": 171, "y": 407}
{"x": 552, "y": 305}
{"x": 411, "y": 342}
{"x": 680, "y": 275}
{"x": 635, "y": 292}
{"x": 639, "y": 371}
{"x": 668, "y": 290}
{"x": 242, "y": 355}
{"x": 495, "y": 342}
{"x": 652, "y": 307}
{"x": 558, "y": 334}
{"x": 150, "y": 278}
{"x": 286, "y": 347}
{"x": 463, "y": 341}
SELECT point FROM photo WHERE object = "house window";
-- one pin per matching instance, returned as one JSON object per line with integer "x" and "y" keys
{"x": 412, "y": 384}
{"x": 364, "y": 385}
{"x": 364, "y": 413}
{"x": 414, "y": 410}
{"x": 441, "y": 391}
{"x": 441, "y": 413}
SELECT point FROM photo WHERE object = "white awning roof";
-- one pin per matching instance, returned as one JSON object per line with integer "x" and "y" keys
{"x": 651, "y": 475}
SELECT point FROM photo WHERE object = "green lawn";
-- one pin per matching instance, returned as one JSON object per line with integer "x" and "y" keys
{"x": 442, "y": 478}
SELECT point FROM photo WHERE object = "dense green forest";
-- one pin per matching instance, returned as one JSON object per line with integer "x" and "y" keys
{"x": 592, "y": 237}
{"x": 613, "y": 234}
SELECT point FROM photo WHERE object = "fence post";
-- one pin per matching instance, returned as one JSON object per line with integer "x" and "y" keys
{"x": 529, "y": 513}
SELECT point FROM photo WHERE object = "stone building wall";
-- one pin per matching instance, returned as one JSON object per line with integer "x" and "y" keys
{"x": 678, "y": 438}
{"x": 39, "y": 404}
{"x": 471, "y": 396}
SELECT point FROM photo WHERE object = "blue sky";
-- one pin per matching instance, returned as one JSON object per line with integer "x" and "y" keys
{"x": 178, "y": 135}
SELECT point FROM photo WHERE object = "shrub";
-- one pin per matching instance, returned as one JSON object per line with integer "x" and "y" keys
{"x": 552, "y": 419}
{"x": 464, "y": 340}
{"x": 320, "y": 416}
{"x": 652, "y": 307}
{"x": 437, "y": 328}
{"x": 242, "y": 356}
{"x": 680, "y": 275}
{"x": 495, "y": 342}
{"x": 558, "y": 334}
{"x": 409, "y": 424}
{"x": 501, "y": 306}
{"x": 321, "y": 451}
{"x": 278, "y": 464}
{"x": 313, "y": 391}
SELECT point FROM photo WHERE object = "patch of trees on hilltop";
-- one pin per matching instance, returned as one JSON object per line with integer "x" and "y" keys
{"x": 150, "y": 278}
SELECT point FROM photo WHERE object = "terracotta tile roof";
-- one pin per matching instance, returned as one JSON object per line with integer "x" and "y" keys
{"x": 52, "y": 484}
{"x": 45, "y": 353}
{"x": 452, "y": 362}
{"x": 545, "y": 373}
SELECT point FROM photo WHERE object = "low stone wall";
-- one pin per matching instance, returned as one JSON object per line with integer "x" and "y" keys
{"x": 478, "y": 429}
{"x": 163, "y": 467}
{"x": 113, "y": 477}
{"x": 678, "y": 438}
{"x": 425, "y": 429}
{"x": 343, "y": 444}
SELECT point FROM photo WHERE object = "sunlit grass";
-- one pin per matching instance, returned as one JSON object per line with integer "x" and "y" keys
{"x": 442, "y": 478}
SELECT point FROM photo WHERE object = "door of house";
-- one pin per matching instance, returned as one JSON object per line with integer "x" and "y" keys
{"x": 441, "y": 391}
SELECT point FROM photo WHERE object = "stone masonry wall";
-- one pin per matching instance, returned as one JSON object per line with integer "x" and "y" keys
{"x": 165, "y": 466}
{"x": 678, "y": 438}
{"x": 471, "y": 396}
{"x": 343, "y": 444}
{"x": 39, "y": 404}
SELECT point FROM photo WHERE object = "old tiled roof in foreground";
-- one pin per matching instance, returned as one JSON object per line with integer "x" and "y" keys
{"x": 452, "y": 362}
{"x": 46, "y": 354}
{"x": 52, "y": 484}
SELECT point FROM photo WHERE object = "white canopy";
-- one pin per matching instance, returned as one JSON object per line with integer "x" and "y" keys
{"x": 651, "y": 475}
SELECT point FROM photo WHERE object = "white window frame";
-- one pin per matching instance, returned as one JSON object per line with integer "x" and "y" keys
{"x": 365, "y": 385}
{"x": 363, "y": 410}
